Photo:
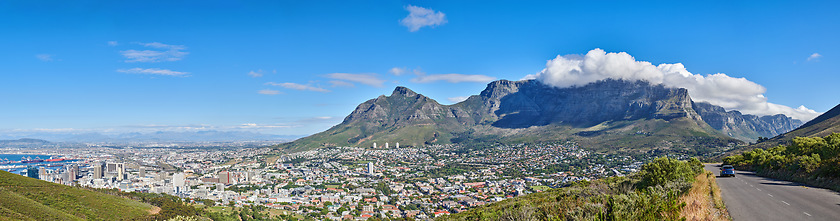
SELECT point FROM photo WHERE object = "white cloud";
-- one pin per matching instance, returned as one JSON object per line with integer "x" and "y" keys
{"x": 163, "y": 127}
{"x": 113, "y": 43}
{"x": 269, "y": 92}
{"x": 50, "y": 130}
{"x": 457, "y": 99}
{"x": 168, "y": 53}
{"x": 153, "y": 71}
{"x": 44, "y": 57}
{"x": 297, "y": 86}
{"x": 452, "y": 78}
{"x": 419, "y": 17}
{"x": 397, "y": 71}
{"x": 368, "y": 79}
{"x": 261, "y": 126}
{"x": 255, "y": 74}
{"x": 719, "y": 89}
{"x": 814, "y": 56}
{"x": 337, "y": 83}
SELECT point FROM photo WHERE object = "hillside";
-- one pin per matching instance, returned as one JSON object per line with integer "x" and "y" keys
{"x": 24, "y": 198}
{"x": 652, "y": 194}
{"x": 25, "y": 142}
{"x": 824, "y": 125}
{"x": 611, "y": 114}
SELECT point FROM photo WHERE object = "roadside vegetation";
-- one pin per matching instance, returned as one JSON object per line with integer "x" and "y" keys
{"x": 810, "y": 160}
{"x": 655, "y": 193}
{"x": 703, "y": 201}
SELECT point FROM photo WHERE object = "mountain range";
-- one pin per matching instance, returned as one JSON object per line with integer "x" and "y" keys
{"x": 613, "y": 114}
{"x": 823, "y": 125}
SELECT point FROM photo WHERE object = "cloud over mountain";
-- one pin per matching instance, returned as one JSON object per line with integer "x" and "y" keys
{"x": 718, "y": 89}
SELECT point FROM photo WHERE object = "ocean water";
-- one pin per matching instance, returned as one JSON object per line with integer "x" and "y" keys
{"x": 20, "y": 167}
{"x": 18, "y": 157}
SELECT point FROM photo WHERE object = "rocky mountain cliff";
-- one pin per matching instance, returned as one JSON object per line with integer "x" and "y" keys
{"x": 823, "y": 125}
{"x": 522, "y": 104}
{"x": 609, "y": 114}
{"x": 745, "y": 127}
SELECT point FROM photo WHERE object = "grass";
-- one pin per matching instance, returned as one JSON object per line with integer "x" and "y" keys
{"x": 24, "y": 198}
{"x": 703, "y": 201}
{"x": 222, "y": 209}
{"x": 540, "y": 188}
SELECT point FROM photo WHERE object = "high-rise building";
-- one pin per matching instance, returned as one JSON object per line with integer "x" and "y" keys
{"x": 72, "y": 172}
{"x": 42, "y": 173}
{"x": 115, "y": 170}
{"x": 398, "y": 145}
{"x": 179, "y": 180}
{"x": 32, "y": 172}
{"x": 370, "y": 168}
{"x": 224, "y": 177}
{"x": 386, "y": 145}
{"x": 141, "y": 172}
{"x": 97, "y": 170}
{"x": 374, "y": 145}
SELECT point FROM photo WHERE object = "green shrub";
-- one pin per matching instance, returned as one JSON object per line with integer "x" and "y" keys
{"x": 812, "y": 160}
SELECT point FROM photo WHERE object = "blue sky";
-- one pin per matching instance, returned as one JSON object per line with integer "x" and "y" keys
{"x": 299, "y": 67}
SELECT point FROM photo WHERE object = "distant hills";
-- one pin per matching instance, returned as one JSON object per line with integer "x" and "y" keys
{"x": 24, "y": 141}
{"x": 24, "y": 198}
{"x": 159, "y": 136}
{"x": 613, "y": 114}
{"x": 823, "y": 125}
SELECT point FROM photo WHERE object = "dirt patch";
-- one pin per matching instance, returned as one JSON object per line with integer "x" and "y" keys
{"x": 154, "y": 210}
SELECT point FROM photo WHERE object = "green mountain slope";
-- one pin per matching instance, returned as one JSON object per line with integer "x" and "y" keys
{"x": 608, "y": 114}
{"x": 405, "y": 117}
{"x": 24, "y": 198}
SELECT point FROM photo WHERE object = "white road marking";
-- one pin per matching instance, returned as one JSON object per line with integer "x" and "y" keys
{"x": 751, "y": 185}
{"x": 806, "y": 213}
{"x": 770, "y": 195}
{"x": 786, "y": 203}
{"x": 758, "y": 189}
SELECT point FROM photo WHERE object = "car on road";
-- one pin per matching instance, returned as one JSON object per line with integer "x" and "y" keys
{"x": 727, "y": 170}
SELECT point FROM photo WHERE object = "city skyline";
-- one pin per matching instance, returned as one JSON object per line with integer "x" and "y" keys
{"x": 298, "y": 68}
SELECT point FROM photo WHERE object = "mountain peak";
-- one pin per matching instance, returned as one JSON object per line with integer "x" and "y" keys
{"x": 403, "y": 91}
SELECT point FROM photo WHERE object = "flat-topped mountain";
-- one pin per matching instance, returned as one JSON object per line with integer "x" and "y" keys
{"x": 609, "y": 114}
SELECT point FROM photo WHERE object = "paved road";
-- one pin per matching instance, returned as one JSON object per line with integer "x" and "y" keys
{"x": 751, "y": 197}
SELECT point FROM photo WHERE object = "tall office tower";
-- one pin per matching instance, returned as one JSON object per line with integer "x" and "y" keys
{"x": 42, "y": 172}
{"x": 386, "y": 145}
{"x": 374, "y": 145}
{"x": 224, "y": 177}
{"x": 370, "y": 168}
{"x": 179, "y": 180}
{"x": 72, "y": 172}
{"x": 120, "y": 171}
{"x": 32, "y": 172}
{"x": 116, "y": 170}
{"x": 97, "y": 170}
{"x": 398, "y": 145}
{"x": 141, "y": 172}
